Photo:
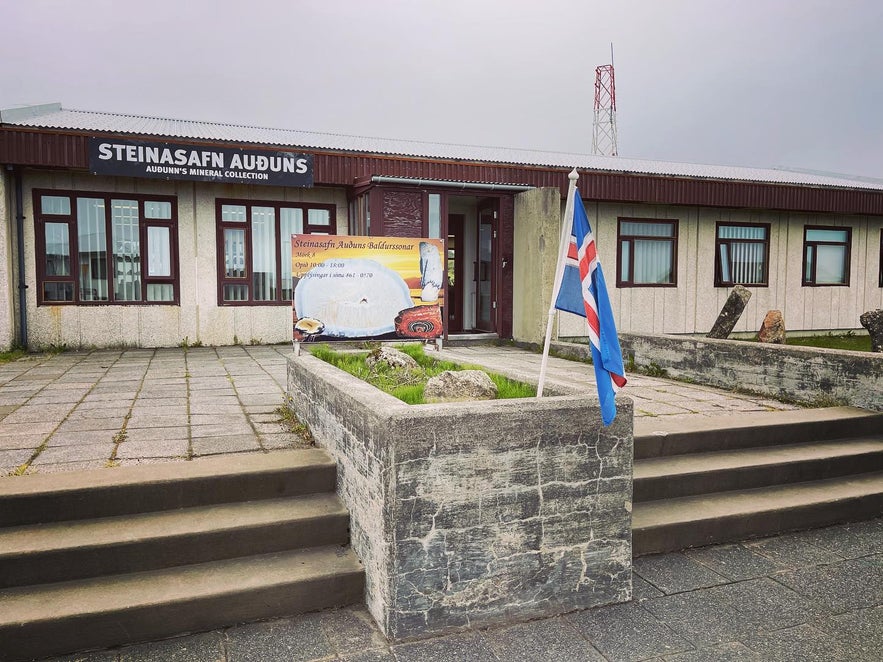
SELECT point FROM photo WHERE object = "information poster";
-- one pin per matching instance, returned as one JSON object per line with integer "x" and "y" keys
{"x": 366, "y": 288}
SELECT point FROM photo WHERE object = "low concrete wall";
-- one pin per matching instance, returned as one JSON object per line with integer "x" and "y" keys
{"x": 468, "y": 514}
{"x": 801, "y": 374}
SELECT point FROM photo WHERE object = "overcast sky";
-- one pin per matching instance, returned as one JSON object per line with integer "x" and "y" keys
{"x": 769, "y": 83}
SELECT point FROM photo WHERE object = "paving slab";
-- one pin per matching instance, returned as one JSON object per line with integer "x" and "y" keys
{"x": 847, "y": 585}
{"x": 734, "y": 561}
{"x": 297, "y": 639}
{"x": 676, "y": 573}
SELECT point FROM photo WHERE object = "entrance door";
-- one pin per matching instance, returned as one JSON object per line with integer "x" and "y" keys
{"x": 486, "y": 299}
{"x": 454, "y": 294}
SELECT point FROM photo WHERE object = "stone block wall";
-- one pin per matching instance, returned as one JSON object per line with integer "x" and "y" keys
{"x": 469, "y": 514}
{"x": 802, "y": 374}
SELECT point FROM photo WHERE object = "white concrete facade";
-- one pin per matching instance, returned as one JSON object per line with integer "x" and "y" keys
{"x": 693, "y": 306}
{"x": 7, "y": 248}
{"x": 198, "y": 318}
{"x": 689, "y": 308}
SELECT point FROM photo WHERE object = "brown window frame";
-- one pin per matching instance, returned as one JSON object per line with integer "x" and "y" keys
{"x": 718, "y": 241}
{"x": 41, "y": 219}
{"x": 247, "y": 279}
{"x": 880, "y": 264}
{"x": 811, "y": 282}
{"x": 627, "y": 280}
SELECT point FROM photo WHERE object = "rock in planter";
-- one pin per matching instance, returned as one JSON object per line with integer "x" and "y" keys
{"x": 458, "y": 385}
{"x": 392, "y": 357}
{"x": 773, "y": 328}
{"x": 873, "y": 322}
{"x": 730, "y": 313}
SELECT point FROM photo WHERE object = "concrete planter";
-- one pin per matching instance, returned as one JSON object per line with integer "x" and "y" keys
{"x": 803, "y": 374}
{"x": 468, "y": 514}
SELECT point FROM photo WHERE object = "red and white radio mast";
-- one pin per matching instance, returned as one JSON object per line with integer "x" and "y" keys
{"x": 604, "y": 134}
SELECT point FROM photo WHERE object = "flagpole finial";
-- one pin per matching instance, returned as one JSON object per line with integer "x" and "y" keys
{"x": 573, "y": 176}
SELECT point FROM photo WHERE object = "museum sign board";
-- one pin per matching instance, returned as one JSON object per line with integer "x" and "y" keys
{"x": 229, "y": 165}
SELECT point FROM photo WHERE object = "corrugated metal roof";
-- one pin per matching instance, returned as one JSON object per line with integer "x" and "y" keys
{"x": 80, "y": 120}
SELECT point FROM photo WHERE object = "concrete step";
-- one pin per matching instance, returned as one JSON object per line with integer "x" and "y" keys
{"x": 659, "y": 437}
{"x": 53, "y": 619}
{"x": 62, "y": 551}
{"x": 699, "y": 473}
{"x": 149, "y": 488}
{"x": 672, "y": 524}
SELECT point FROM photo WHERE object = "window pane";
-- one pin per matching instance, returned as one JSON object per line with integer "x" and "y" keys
{"x": 291, "y": 221}
{"x": 235, "y": 292}
{"x": 748, "y": 263}
{"x": 55, "y": 204}
{"x": 653, "y": 262}
{"x": 434, "y": 215}
{"x": 58, "y": 291}
{"x": 625, "y": 267}
{"x": 831, "y": 265}
{"x": 647, "y": 229}
{"x": 126, "y": 250}
{"x": 807, "y": 264}
{"x": 741, "y": 232}
{"x": 92, "y": 244}
{"x": 839, "y": 236}
{"x": 234, "y": 253}
{"x": 233, "y": 213}
{"x": 263, "y": 253}
{"x": 58, "y": 249}
{"x": 159, "y": 252}
{"x": 160, "y": 292}
{"x": 318, "y": 217}
{"x": 724, "y": 257}
{"x": 158, "y": 210}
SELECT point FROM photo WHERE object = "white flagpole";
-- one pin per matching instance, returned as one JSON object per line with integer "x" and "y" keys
{"x": 566, "y": 230}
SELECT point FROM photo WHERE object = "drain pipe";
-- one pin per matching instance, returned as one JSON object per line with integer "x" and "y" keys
{"x": 22, "y": 282}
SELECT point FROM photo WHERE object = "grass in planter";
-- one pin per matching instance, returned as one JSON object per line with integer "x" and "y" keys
{"x": 849, "y": 340}
{"x": 407, "y": 385}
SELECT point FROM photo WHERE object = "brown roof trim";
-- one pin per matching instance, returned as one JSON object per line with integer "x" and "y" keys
{"x": 69, "y": 149}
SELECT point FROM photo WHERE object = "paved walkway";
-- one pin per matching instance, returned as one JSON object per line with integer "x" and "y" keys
{"x": 82, "y": 410}
{"x": 652, "y": 397}
{"x": 89, "y": 409}
{"x": 816, "y": 595}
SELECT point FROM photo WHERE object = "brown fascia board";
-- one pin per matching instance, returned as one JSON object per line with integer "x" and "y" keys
{"x": 67, "y": 149}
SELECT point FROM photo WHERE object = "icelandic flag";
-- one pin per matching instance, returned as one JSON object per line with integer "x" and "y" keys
{"x": 584, "y": 292}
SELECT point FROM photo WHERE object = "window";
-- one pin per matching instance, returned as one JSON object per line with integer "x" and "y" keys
{"x": 742, "y": 255}
{"x": 254, "y": 247}
{"x": 826, "y": 255}
{"x": 105, "y": 248}
{"x": 647, "y": 253}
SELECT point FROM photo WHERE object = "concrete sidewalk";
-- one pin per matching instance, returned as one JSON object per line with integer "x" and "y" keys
{"x": 815, "y": 595}
{"x": 89, "y": 409}
{"x": 82, "y": 410}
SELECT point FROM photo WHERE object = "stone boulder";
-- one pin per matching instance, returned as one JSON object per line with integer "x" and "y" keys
{"x": 459, "y": 385}
{"x": 873, "y": 322}
{"x": 773, "y": 328}
{"x": 392, "y": 357}
{"x": 730, "y": 313}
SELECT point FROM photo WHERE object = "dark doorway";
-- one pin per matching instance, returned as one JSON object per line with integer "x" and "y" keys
{"x": 454, "y": 296}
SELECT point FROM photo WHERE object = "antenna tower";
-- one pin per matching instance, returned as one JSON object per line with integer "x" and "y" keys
{"x": 604, "y": 125}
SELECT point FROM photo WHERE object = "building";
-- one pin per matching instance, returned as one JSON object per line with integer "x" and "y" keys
{"x": 137, "y": 231}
